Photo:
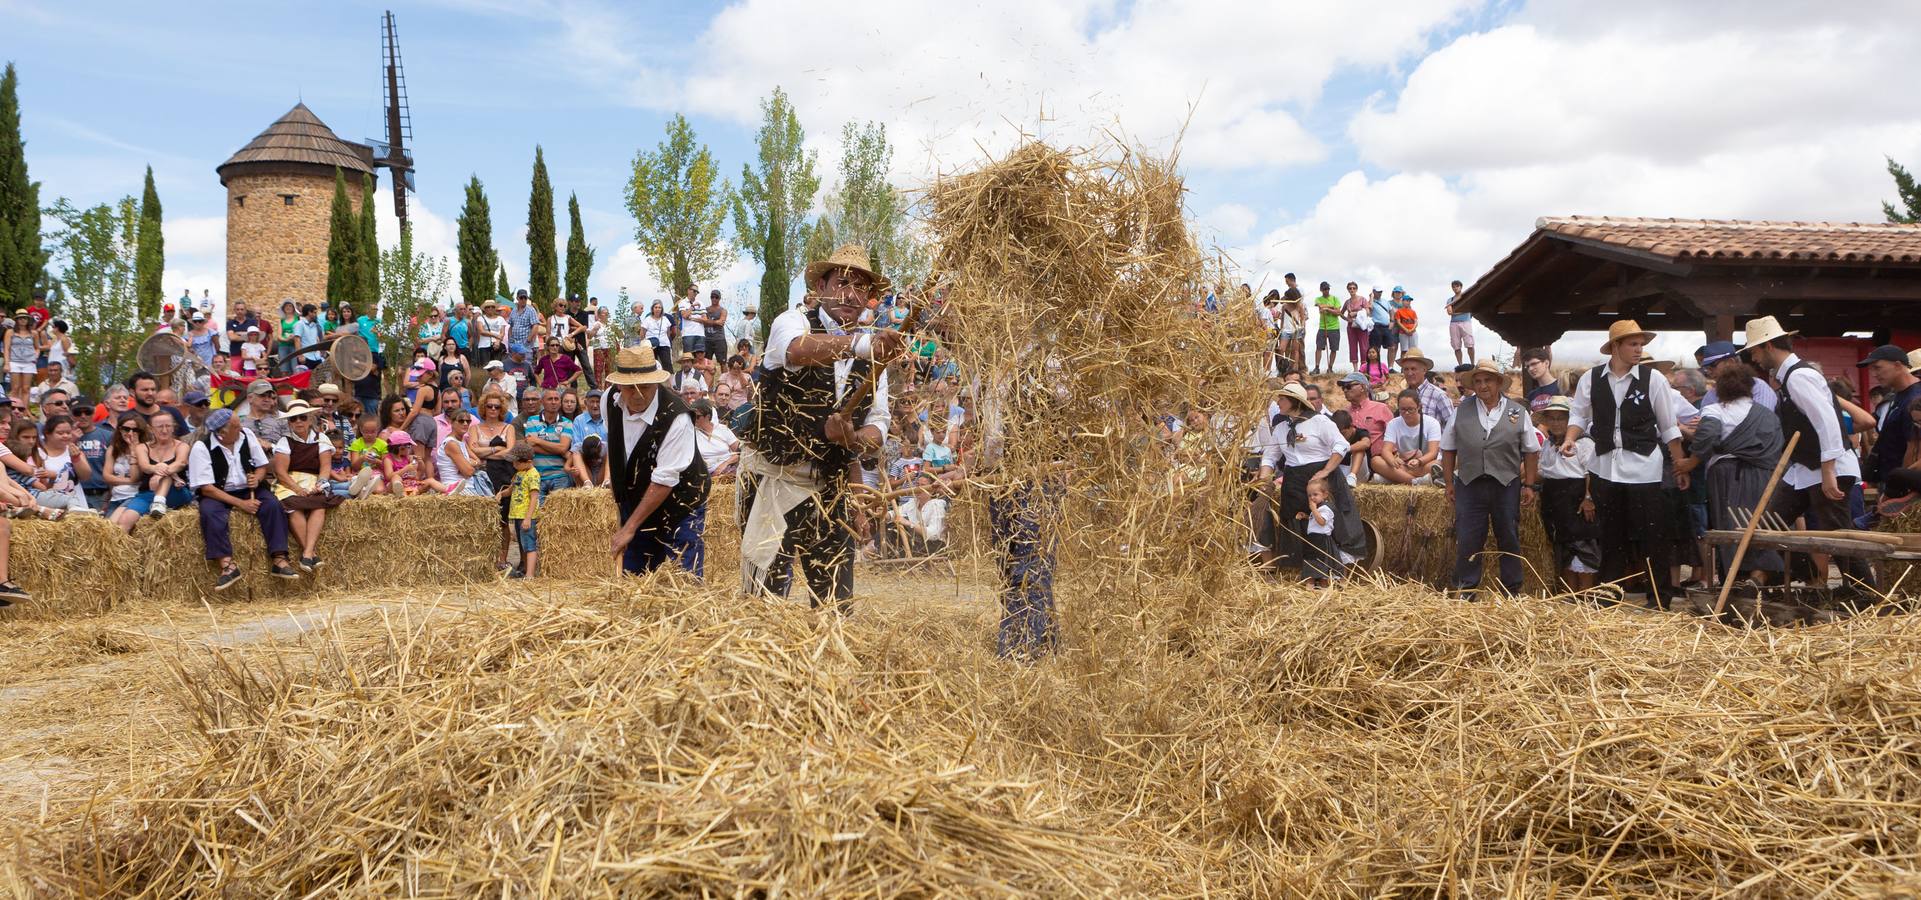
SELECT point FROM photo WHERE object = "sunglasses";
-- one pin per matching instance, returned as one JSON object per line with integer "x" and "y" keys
{"x": 130, "y": 429}
{"x": 54, "y": 403}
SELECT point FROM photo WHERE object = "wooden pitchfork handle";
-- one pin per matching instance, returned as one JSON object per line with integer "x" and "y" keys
{"x": 1747, "y": 533}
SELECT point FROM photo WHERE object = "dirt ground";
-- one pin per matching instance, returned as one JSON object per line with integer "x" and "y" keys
{"x": 79, "y": 698}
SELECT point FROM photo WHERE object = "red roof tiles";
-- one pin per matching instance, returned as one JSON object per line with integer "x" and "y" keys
{"x": 1728, "y": 240}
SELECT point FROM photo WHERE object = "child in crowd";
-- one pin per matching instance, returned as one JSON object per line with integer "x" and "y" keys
{"x": 1320, "y": 565}
{"x": 253, "y": 353}
{"x": 368, "y": 455}
{"x": 59, "y": 467}
{"x": 1567, "y": 513}
{"x": 406, "y": 480}
{"x": 523, "y": 509}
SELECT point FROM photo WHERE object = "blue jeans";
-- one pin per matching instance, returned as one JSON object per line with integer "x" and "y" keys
{"x": 550, "y": 483}
{"x": 1024, "y": 534}
{"x": 684, "y": 544}
{"x": 142, "y": 503}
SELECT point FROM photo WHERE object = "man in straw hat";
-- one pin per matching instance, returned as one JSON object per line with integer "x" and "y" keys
{"x": 1823, "y": 469}
{"x": 1489, "y": 459}
{"x": 1628, "y": 410}
{"x": 659, "y": 481}
{"x": 799, "y": 441}
{"x": 1435, "y": 403}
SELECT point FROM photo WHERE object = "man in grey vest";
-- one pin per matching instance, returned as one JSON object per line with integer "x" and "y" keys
{"x": 1489, "y": 456}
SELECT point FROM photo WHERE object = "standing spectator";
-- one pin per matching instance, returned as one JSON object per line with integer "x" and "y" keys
{"x": 1434, "y": 401}
{"x": 659, "y": 330}
{"x": 1354, "y": 314}
{"x": 1406, "y": 321}
{"x": 551, "y": 435}
{"x": 59, "y": 349}
{"x": 1741, "y": 440}
{"x": 1489, "y": 465}
{"x": 1328, "y": 338}
{"x": 492, "y": 334}
{"x": 432, "y": 333}
{"x": 521, "y": 322}
{"x": 1629, "y": 412}
{"x": 24, "y": 344}
{"x": 460, "y": 327}
{"x": 1293, "y": 323}
{"x": 226, "y": 469}
{"x": 1896, "y": 432}
{"x": 1537, "y": 378}
{"x": 1380, "y": 312}
{"x": 715, "y": 324}
{"x": 746, "y": 328}
{"x": 202, "y": 342}
{"x": 1567, "y": 512}
{"x": 601, "y": 342}
{"x": 1460, "y": 327}
{"x": 285, "y": 339}
{"x": 418, "y": 420}
{"x": 1822, "y": 471}
{"x": 693, "y": 323}
{"x": 555, "y": 368}
{"x": 1268, "y": 316}
{"x": 238, "y": 322}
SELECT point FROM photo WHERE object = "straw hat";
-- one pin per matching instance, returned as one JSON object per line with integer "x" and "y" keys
{"x": 298, "y": 409}
{"x": 1556, "y": 403}
{"x": 1914, "y": 360}
{"x": 1664, "y": 366}
{"x": 1488, "y": 367}
{"x": 1414, "y": 353}
{"x": 1297, "y": 393}
{"x": 1763, "y": 330}
{"x": 849, "y": 256}
{"x": 1623, "y": 328}
{"x": 634, "y": 366}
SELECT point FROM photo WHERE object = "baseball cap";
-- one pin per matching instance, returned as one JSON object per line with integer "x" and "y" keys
{"x": 1399, "y": 290}
{"x": 259, "y": 386}
{"x": 1887, "y": 353}
{"x": 400, "y": 438}
{"x": 200, "y": 317}
{"x": 196, "y": 398}
{"x": 493, "y": 364}
{"x": 329, "y": 390}
{"x": 1714, "y": 351}
{"x": 1354, "y": 378}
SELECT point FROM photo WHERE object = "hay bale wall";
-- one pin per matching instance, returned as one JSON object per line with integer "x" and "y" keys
{"x": 82, "y": 566}
{"x": 1416, "y": 525}
{"x": 575, "y": 527}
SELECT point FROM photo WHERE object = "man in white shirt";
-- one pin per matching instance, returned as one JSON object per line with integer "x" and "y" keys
{"x": 802, "y": 439}
{"x": 1489, "y": 459}
{"x": 693, "y": 321}
{"x": 226, "y": 469}
{"x": 1823, "y": 469}
{"x": 921, "y": 519}
{"x": 1628, "y": 411}
{"x": 659, "y": 482}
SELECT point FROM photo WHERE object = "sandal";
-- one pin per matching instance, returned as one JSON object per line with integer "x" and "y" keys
{"x": 229, "y": 577}
{"x": 53, "y": 515}
{"x": 281, "y": 569}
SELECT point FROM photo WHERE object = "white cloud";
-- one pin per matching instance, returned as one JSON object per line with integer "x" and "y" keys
{"x": 1228, "y": 221}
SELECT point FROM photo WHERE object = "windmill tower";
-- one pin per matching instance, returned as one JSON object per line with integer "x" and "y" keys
{"x": 394, "y": 153}
{"x": 279, "y": 188}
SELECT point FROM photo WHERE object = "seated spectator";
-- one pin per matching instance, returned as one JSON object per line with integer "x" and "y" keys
{"x": 918, "y": 526}
{"x": 122, "y": 474}
{"x": 409, "y": 474}
{"x": 368, "y": 454}
{"x": 588, "y": 465}
{"x": 688, "y": 382}
{"x": 54, "y": 397}
{"x": 1409, "y": 444}
{"x": 716, "y": 443}
{"x": 162, "y": 461}
{"x": 93, "y": 445}
{"x": 260, "y": 413}
{"x": 551, "y": 435}
{"x": 13, "y": 501}
{"x": 735, "y": 376}
{"x": 59, "y": 467}
{"x": 936, "y": 454}
{"x": 195, "y": 408}
{"x": 302, "y": 460}
{"x": 226, "y": 468}
{"x": 456, "y": 469}
{"x": 418, "y": 420}
{"x": 500, "y": 382}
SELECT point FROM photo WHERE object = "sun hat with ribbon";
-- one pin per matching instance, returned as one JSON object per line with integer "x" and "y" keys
{"x": 636, "y": 367}
{"x": 848, "y": 256}
{"x": 1296, "y": 393}
{"x": 298, "y": 409}
{"x": 1414, "y": 353}
{"x": 1621, "y": 330}
{"x": 1488, "y": 367}
{"x": 1763, "y": 330}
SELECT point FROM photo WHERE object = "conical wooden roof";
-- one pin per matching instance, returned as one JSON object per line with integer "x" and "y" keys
{"x": 300, "y": 137}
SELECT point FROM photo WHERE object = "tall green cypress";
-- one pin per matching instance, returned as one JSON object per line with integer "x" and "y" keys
{"x": 343, "y": 247}
{"x": 369, "y": 293}
{"x": 580, "y": 257}
{"x": 150, "y": 255}
{"x": 543, "y": 268}
{"x": 774, "y": 279}
{"x": 502, "y": 286}
{"x": 475, "y": 231}
{"x": 22, "y": 261}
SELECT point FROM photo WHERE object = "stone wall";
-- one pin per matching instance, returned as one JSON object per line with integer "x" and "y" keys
{"x": 275, "y": 249}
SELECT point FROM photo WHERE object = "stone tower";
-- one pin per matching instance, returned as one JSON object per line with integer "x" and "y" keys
{"x": 280, "y": 191}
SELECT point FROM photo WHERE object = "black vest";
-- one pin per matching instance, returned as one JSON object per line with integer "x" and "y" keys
{"x": 1638, "y": 433}
{"x": 219, "y": 459}
{"x": 1795, "y": 421}
{"x": 789, "y": 423}
{"x": 629, "y": 476}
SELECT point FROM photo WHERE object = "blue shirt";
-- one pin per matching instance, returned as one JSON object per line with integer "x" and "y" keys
{"x": 549, "y": 463}
{"x": 1382, "y": 309}
{"x": 93, "y": 446}
{"x": 458, "y": 333}
{"x": 520, "y": 324}
{"x": 369, "y": 330}
{"x": 585, "y": 426}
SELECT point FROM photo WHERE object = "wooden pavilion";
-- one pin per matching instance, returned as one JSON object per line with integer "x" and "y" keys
{"x": 1579, "y": 273}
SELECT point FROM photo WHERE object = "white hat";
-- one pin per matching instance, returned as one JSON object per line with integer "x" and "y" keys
{"x": 1765, "y": 329}
{"x": 493, "y": 364}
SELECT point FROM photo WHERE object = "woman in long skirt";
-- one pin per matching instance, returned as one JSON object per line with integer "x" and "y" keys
{"x": 1741, "y": 441}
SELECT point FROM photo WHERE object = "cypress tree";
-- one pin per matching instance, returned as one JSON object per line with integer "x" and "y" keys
{"x": 475, "y": 235}
{"x": 580, "y": 257}
{"x": 543, "y": 269}
{"x": 502, "y": 287}
{"x": 343, "y": 247}
{"x": 774, "y": 279}
{"x": 369, "y": 242}
{"x": 22, "y": 261}
{"x": 150, "y": 254}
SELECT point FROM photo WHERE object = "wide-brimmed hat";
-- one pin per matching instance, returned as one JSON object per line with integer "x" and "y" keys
{"x": 1664, "y": 366}
{"x": 1623, "y": 328}
{"x": 848, "y": 256}
{"x": 633, "y": 366}
{"x": 298, "y": 409}
{"x": 1295, "y": 392}
{"x": 1914, "y": 361}
{"x": 1554, "y": 403}
{"x": 1763, "y": 330}
{"x": 1487, "y": 367}
{"x": 1414, "y": 353}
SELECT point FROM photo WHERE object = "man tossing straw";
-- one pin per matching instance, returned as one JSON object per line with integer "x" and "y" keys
{"x": 659, "y": 481}
{"x": 801, "y": 438}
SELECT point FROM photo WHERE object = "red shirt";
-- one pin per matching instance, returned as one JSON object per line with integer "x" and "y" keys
{"x": 1371, "y": 416}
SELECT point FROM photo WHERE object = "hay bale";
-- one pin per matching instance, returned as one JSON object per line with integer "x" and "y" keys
{"x": 576, "y": 525}
{"x": 378, "y": 542}
{"x": 78, "y": 566}
{"x": 1416, "y": 525}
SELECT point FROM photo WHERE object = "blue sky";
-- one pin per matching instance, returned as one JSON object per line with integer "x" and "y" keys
{"x": 1404, "y": 141}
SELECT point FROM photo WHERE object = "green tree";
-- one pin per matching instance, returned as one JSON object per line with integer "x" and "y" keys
{"x": 822, "y": 238}
{"x": 475, "y": 238}
{"x": 867, "y": 209}
{"x": 22, "y": 260}
{"x": 1909, "y": 212}
{"x": 580, "y": 257}
{"x": 776, "y": 198}
{"x": 504, "y": 287}
{"x": 678, "y": 209}
{"x": 368, "y": 292}
{"x": 344, "y": 268}
{"x": 152, "y": 253}
{"x": 543, "y": 269}
{"x": 97, "y": 252}
{"x": 410, "y": 284}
